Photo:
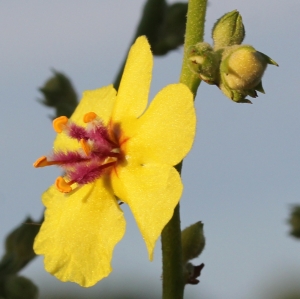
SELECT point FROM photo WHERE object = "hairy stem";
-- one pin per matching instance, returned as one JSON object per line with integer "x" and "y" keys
{"x": 173, "y": 280}
{"x": 194, "y": 34}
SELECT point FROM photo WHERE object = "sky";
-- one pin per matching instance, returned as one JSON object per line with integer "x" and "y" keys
{"x": 241, "y": 177}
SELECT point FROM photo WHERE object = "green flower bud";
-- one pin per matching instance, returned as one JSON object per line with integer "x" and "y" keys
{"x": 294, "y": 221}
{"x": 18, "y": 287}
{"x": 228, "y": 30}
{"x": 241, "y": 71}
{"x": 204, "y": 62}
{"x": 193, "y": 241}
{"x": 243, "y": 68}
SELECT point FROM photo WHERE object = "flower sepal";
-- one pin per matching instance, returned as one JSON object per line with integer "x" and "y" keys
{"x": 192, "y": 273}
{"x": 204, "y": 62}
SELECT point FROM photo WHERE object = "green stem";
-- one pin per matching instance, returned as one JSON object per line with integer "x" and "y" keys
{"x": 173, "y": 284}
{"x": 194, "y": 34}
{"x": 173, "y": 280}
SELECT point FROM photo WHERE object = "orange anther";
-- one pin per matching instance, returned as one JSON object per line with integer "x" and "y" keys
{"x": 88, "y": 117}
{"x": 86, "y": 148}
{"x": 41, "y": 162}
{"x": 59, "y": 123}
{"x": 62, "y": 185}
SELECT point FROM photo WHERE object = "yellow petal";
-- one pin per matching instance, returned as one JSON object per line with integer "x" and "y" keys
{"x": 133, "y": 91}
{"x": 79, "y": 233}
{"x": 100, "y": 101}
{"x": 152, "y": 192}
{"x": 165, "y": 133}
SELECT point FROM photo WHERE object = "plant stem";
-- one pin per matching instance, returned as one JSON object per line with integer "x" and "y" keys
{"x": 173, "y": 284}
{"x": 173, "y": 280}
{"x": 194, "y": 34}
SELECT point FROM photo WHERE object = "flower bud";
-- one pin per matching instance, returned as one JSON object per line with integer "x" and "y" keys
{"x": 204, "y": 62}
{"x": 241, "y": 71}
{"x": 193, "y": 241}
{"x": 228, "y": 30}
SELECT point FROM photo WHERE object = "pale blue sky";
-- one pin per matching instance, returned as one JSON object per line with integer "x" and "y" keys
{"x": 240, "y": 177}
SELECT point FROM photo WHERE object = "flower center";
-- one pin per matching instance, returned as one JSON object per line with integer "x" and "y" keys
{"x": 97, "y": 152}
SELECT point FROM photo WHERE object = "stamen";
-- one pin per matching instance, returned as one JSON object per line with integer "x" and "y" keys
{"x": 86, "y": 148}
{"x": 103, "y": 166}
{"x": 42, "y": 162}
{"x": 59, "y": 123}
{"x": 113, "y": 155}
{"x": 62, "y": 185}
{"x": 98, "y": 152}
{"x": 88, "y": 117}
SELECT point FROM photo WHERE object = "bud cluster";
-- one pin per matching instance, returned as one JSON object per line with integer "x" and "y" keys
{"x": 235, "y": 68}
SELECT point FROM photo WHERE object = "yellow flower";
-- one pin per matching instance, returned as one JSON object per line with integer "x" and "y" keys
{"x": 110, "y": 149}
